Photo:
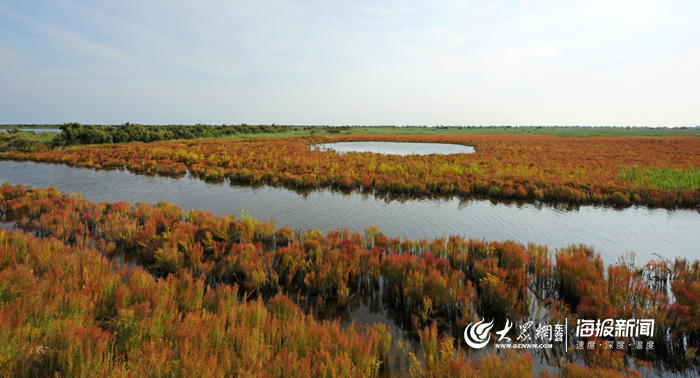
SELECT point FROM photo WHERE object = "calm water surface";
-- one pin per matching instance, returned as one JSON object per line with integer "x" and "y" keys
{"x": 398, "y": 148}
{"x": 669, "y": 233}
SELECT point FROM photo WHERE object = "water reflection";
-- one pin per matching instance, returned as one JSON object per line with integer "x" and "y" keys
{"x": 612, "y": 231}
{"x": 397, "y": 148}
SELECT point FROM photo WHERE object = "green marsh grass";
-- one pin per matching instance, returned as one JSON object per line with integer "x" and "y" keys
{"x": 664, "y": 178}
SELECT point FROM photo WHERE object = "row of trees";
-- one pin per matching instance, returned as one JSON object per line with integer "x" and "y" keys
{"x": 76, "y": 134}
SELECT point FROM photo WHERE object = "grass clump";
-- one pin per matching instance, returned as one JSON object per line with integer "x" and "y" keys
{"x": 66, "y": 311}
{"x": 25, "y": 141}
{"x": 663, "y": 177}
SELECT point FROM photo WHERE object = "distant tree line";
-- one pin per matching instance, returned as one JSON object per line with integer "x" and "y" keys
{"x": 76, "y": 133}
{"x": 15, "y": 139}
{"x": 72, "y": 134}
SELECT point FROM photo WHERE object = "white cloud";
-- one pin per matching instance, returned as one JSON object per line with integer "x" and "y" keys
{"x": 378, "y": 62}
{"x": 72, "y": 41}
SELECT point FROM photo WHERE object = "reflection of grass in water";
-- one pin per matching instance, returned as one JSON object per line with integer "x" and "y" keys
{"x": 664, "y": 178}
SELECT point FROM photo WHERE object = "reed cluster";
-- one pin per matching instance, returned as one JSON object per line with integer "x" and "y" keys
{"x": 68, "y": 311}
{"x": 66, "y": 308}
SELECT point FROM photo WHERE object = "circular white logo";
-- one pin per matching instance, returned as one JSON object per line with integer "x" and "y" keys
{"x": 477, "y": 335}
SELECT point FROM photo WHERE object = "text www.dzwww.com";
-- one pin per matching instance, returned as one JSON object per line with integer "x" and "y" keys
{"x": 523, "y": 346}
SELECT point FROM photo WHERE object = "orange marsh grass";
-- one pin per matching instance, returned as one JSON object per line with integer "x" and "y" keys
{"x": 428, "y": 280}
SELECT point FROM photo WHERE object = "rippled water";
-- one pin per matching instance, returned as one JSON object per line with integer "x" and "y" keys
{"x": 669, "y": 233}
{"x": 398, "y": 148}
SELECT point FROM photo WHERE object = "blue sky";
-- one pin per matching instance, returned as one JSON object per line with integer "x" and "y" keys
{"x": 351, "y": 62}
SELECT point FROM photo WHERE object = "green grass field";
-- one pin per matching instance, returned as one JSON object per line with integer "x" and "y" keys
{"x": 665, "y": 178}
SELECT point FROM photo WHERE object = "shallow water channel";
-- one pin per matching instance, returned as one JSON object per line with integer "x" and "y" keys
{"x": 612, "y": 231}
